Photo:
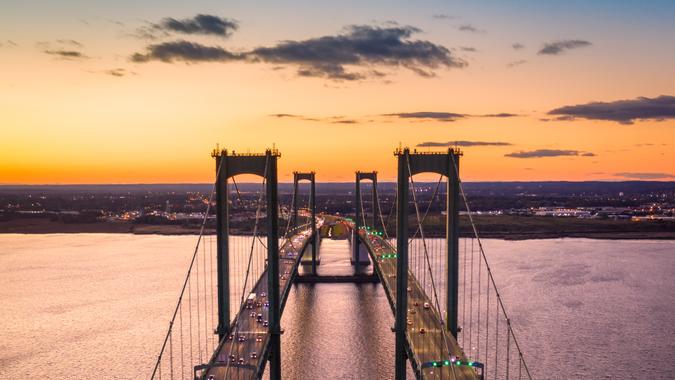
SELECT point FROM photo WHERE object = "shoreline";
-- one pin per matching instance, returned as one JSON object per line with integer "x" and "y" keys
{"x": 41, "y": 226}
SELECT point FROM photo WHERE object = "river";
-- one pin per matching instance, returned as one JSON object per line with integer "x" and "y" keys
{"x": 98, "y": 305}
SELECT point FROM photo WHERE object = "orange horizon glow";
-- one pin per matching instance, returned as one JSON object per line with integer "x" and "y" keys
{"x": 67, "y": 121}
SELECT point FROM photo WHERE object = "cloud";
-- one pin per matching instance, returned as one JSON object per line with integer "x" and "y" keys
{"x": 463, "y": 143}
{"x": 516, "y": 63}
{"x": 445, "y": 116}
{"x": 621, "y": 111}
{"x": 118, "y": 72}
{"x": 184, "y": 51}
{"x": 328, "y": 56}
{"x": 500, "y": 115}
{"x": 200, "y": 24}
{"x": 283, "y": 115}
{"x": 327, "y": 119}
{"x": 517, "y": 46}
{"x": 360, "y": 45}
{"x": 638, "y": 175}
{"x": 558, "y": 47}
{"x": 62, "y": 48}
{"x": 470, "y": 28}
{"x": 441, "y": 16}
{"x": 66, "y": 54}
{"x": 69, "y": 42}
{"x": 468, "y": 48}
{"x": 438, "y": 116}
{"x": 539, "y": 153}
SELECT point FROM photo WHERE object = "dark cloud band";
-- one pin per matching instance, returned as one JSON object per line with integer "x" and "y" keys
{"x": 539, "y": 153}
{"x": 438, "y": 116}
{"x": 200, "y": 24}
{"x": 328, "y": 56}
{"x": 558, "y": 47}
{"x": 622, "y": 111}
{"x": 462, "y": 143}
{"x": 184, "y": 51}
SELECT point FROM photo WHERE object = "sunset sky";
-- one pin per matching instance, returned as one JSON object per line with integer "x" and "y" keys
{"x": 124, "y": 92}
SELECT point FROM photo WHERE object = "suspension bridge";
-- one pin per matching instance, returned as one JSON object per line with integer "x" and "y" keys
{"x": 449, "y": 320}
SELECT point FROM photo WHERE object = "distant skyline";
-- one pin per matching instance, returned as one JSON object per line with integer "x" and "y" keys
{"x": 129, "y": 92}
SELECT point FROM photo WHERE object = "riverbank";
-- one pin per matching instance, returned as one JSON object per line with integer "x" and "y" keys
{"x": 496, "y": 227}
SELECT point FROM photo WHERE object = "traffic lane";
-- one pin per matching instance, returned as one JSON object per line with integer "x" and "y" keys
{"x": 431, "y": 345}
{"x": 255, "y": 334}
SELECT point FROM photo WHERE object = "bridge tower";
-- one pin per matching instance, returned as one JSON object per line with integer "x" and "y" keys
{"x": 263, "y": 165}
{"x": 357, "y": 258}
{"x": 311, "y": 177}
{"x": 409, "y": 164}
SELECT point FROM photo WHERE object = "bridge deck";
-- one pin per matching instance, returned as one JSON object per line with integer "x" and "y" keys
{"x": 246, "y": 358}
{"x": 422, "y": 348}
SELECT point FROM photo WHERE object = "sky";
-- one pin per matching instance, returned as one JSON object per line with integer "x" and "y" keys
{"x": 141, "y": 92}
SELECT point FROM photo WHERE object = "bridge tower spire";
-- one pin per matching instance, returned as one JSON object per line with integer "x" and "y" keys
{"x": 311, "y": 177}
{"x": 263, "y": 165}
{"x": 359, "y": 220}
{"x": 409, "y": 164}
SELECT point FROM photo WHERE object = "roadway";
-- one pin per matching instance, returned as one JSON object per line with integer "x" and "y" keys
{"x": 435, "y": 343}
{"x": 244, "y": 353}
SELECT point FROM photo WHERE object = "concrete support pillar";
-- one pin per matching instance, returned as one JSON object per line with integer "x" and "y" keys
{"x": 273, "y": 267}
{"x": 312, "y": 205}
{"x": 376, "y": 206}
{"x": 222, "y": 246}
{"x": 402, "y": 265}
{"x": 357, "y": 220}
{"x": 452, "y": 240}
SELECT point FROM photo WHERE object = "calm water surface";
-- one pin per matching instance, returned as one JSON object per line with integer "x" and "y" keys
{"x": 98, "y": 305}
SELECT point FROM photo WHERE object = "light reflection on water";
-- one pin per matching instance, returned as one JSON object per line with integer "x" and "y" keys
{"x": 98, "y": 305}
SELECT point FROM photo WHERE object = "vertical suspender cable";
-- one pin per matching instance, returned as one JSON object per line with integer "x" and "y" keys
{"x": 182, "y": 363}
{"x": 471, "y": 303}
{"x": 508, "y": 346}
{"x": 187, "y": 277}
{"x": 480, "y": 263}
{"x": 500, "y": 304}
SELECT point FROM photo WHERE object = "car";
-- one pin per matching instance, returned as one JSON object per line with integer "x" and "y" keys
{"x": 232, "y": 357}
{"x": 263, "y": 294}
{"x": 409, "y": 289}
{"x": 409, "y": 322}
{"x": 267, "y": 303}
{"x": 259, "y": 318}
{"x": 254, "y": 355}
{"x": 258, "y": 339}
{"x": 266, "y": 323}
{"x": 230, "y": 337}
{"x": 253, "y": 314}
{"x": 422, "y": 330}
{"x": 241, "y": 361}
{"x": 241, "y": 338}
{"x": 416, "y": 303}
{"x": 426, "y": 305}
{"x": 412, "y": 311}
